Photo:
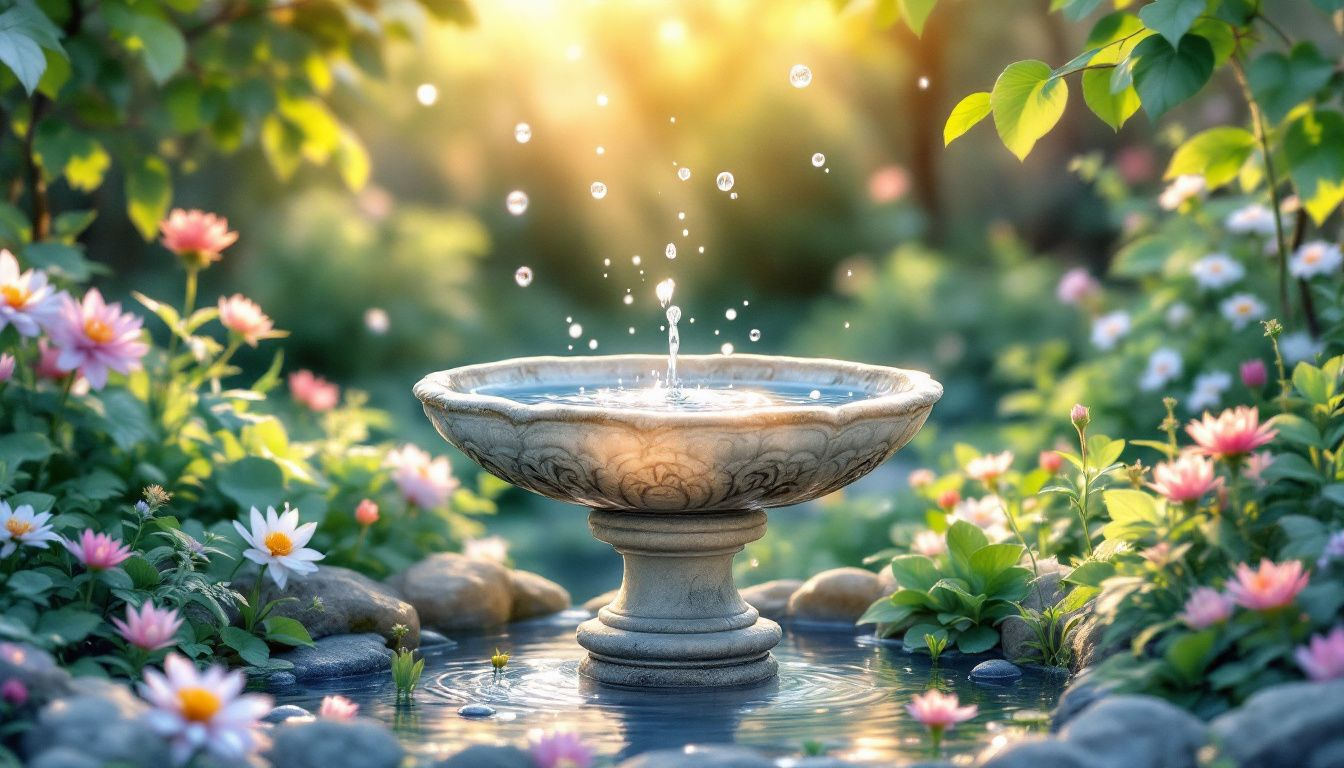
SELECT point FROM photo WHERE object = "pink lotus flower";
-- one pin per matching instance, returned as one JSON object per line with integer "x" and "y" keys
{"x": 1077, "y": 286}
{"x": 990, "y": 467}
{"x": 14, "y": 692}
{"x": 921, "y": 478}
{"x": 337, "y": 708}
{"x": 97, "y": 551}
{"x": 150, "y": 628}
{"x": 366, "y": 513}
{"x": 26, "y": 300}
{"x": 1272, "y": 585}
{"x": 94, "y": 337}
{"x": 949, "y": 499}
{"x": 1233, "y": 434}
{"x": 939, "y": 712}
{"x": 1322, "y": 658}
{"x": 929, "y": 544}
{"x": 1186, "y": 479}
{"x": 1206, "y": 607}
{"x": 313, "y": 392}
{"x": 196, "y": 237}
{"x": 242, "y": 316}
{"x": 1256, "y": 464}
{"x": 888, "y": 184}
{"x": 1050, "y": 461}
{"x": 1254, "y": 374}
{"x": 425, "y": 482}
{"x": 560, "y": 749}
{"x": 203, "y": 710}
{"x": 6, "y": 367}
{"x": 987, "y": 513}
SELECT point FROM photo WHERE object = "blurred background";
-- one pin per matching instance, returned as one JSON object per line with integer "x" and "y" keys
{"x": 890, "y": 249}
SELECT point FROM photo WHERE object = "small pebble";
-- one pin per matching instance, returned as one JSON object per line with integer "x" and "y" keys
{"x": 995, "y": 671}
{"x": 286, "y": 712}
{"x": 476, "y": 710}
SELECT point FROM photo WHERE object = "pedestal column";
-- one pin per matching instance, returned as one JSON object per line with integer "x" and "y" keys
{"x": 678, "y": 620}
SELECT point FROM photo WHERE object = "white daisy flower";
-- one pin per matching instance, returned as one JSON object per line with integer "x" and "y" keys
{"x": 1178, "y": 314}
{"x": 1299, "y": 347}
{"x": 1241, "y": 309}
{"x": 23, "y": 526}
{"x": 1315, "y": 258}
{"x": 1109, "y": 329}
{"x": 1163, "y": 366}
{"x": 1217, "y": 270}
{"x": 1253, "y": 219}
{"x": 27, "y": 301}
{"x": 277, "y": 542}
{"x": 1208, "y": 390}
{"x": 1181, "y": 189}
{"x": 199, "y": 710}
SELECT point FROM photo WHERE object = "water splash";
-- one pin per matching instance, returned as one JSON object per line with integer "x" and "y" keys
{"x": 724, "y": 181}
{"x": 664, "y": 293}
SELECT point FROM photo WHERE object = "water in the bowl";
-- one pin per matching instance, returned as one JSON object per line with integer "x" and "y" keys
{"x": 650, "y": 393}
{"x": 847, "y": 692}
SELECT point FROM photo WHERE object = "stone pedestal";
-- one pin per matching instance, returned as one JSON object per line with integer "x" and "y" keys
{"x": 678, "y": 620}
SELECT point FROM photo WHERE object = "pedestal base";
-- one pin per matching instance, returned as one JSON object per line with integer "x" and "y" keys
{"x": 678, "y": 620}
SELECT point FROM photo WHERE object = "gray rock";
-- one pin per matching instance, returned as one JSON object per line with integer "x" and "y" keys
{"x": 64, "y": 757}
{"x": 535, "y": 595}
{"x": 280, "y": 680}
{"x": 453, "y": 593}
{"x": 285, "y": 712}
{"x": 837, "y": 595}
{"x": 487, "y": 756}
{"x": 476, "y": 710}
{"x": 102, "y": 721}
{"x": 771, "y": 598}
{"x": 701, "y": 757}
{"x": 996, "y": 671}
{"x": 357, "y": 743}
{"x": 37, "y": 670}
{"x": 1296, "y": 724}
{"x": 339, "y": 656}
{"x": 429, "y": 639}
{"x": 1329, "y": 756}
{"x": 1128, "y": 731}
{"x": 1085, "y": 641}
{"x": 1047, "y": 753}
{"x": 351, "y": 604}
{"x": 594, "y": 604}
{"x": 1046, "y": 590}
{"x": 1082, "y": 693}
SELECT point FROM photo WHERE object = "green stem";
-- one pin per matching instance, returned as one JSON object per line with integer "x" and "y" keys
{"x": 252, "y": 601}
{"x": 1087, "y": 486}
{"x": 1262, "y": 137}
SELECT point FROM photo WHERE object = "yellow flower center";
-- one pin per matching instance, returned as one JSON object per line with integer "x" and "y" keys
{"x": 15, "y": 296}
{"x": 279, "y": 544}
{"x": 98, "y": 331}
{"x": 17, "y": 527}
{"x": 1312, "y": 256}
{"x": 198, "y": 704}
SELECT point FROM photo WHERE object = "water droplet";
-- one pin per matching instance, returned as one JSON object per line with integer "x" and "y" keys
{"x": 726, "y": 349}
{"x": 702, "y": 249}
{"x": 599, "y": 190}
{"x": 606, "y": 262}
{"x": 685, "y": 233}
{"x": 568, "y": 319}
{"x": 923, "y": 83}
{"x": 628, "y": 299}
{"x": 672, "y": 119}
{"x": 632, "y": 330}
{"x": 575, "y": 330}
{"x": 846, "y": 324}
{"x": 664, "y": 291}
{"x": 592, "y": 343}
{"x": 755, "y": 334}
{"x": 828, "y": 170}
{"x": 724, "y": 180}
{"x": 671, "y": 250}
{"x": 683, "y": 173}
{"x": 523, "y": 277}
{"x": 818, "y": 160}
{"x": 731, "y": 314}
{"x": 635, "y": 259}
{"x": 674, "y": 314}
{"x": 732, "y": 196}
{"x": 522, "y": 133}
{"x": 681, "y": 215}
{"x": 815, "y": 394}
{"x": 516, "y": 202}
{"x": 601, "y": 150}
{"x": 800, "y": 76}
{"x": 426, "y": 94}
{"x": 602, "y": 100}
{"x": 746, "y": 303}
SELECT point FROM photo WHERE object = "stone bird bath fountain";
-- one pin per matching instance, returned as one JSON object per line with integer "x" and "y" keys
{"x": 677, "y": 485}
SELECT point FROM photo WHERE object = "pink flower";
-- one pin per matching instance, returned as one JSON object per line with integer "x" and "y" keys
{"x": 1253, "y": 373}
{"x": 313, "y": 392}
{"x": 990, "y": 467}
{"x": 94, "y": 337}
{"x": 150, "y": 628}
{"x": 425, "y": 482}
{"x": 46, "y": 367}
{"x": 1322, "y": 658}
{"x": 1235, "y": 433}
{"x": 1077, "y": 286}
{"x": 1135, "y": 163}
{"x": 888, "y": 184}
{"x": 97, "y": 551}
{"x": 928, "y": 544}
{"x": 1256, "y": 464}
{"x": 366, "y": 513}
{"x": 939, "y": 711}
{"x": 1186, "y": 479}
{"x": 1272, "y": 585}
{"x": 337, "y": 708}
{"x": 987, "y": 513}
{"x": 203, "y": 710}
{"x": 949, "y": 499}
{"x": 1206, "y": 607}
{"x": 921, "y": 478}
{"x": 1080, "y": 416}
{"x": 26, "y": 300}
{"x": 196, "y": 237}
{"x": 242, "y": 316}
{"x": 6, "y": 367}
{"x": 561, "y": 749}
{"x": 1050, "y": 461}
{"x": 13, "y": 691}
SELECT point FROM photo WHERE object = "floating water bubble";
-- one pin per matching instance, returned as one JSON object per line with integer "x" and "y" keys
{"x": 632, "y": 330}
{"x": 732, "y": 196}
{"x": 724, "y": 180}
{"x": 681, "y": 215}
{"x": 846, "y": 325}
{"x": 815, "y": 394}
{"x": 516, "y": 202}
{"x": 923, "y": 83}
{"x": 731, "y": 314}
{"x": 635, "y": 259}
{"x": 628, "y": 299}
{"x": 828, "y": 170}
{"x": 522, "y": 133}
{"x": 575, "y": 330}
{"x": 726, "y": 349}
{"x": 426, "y": 94}
{"x": 602, "y": 100}
{"x": 523, "y": 277}
{"x": 702, "y": 249}
{"x": 755, "y": 334}
{"x": 598, "y": 189}
{"x": 818, "y": 160}
{"x": 601, "y": 150}
{"x": 606, "y": 262}
{"x": 568, "y": 319}
{"x": 671, "y": 250}
{"x": 592, "y": 343}
{"x": 800, "y": 76}
{"x": 685, "y": 233}
{"x": 746, "y": 303}
{"x": 664, "y": 291}
{"x": 683, "y": 173}
{"x": 674, "y": 314}
{"x": 672, "y": 119}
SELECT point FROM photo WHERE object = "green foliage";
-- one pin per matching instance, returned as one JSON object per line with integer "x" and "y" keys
{"x": 1027, "y": 101}
{"x": 406, "y": 670}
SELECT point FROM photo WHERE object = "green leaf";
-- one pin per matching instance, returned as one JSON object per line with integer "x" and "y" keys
{"x": 158, "y": 42}
{"x": 963, "y": 541}
{"x": 915, "y": 13}
{"x": 352, "y": 161}
{"x": 149, "y": 192}
{"x": 143, "y": 574}
{"x": 1091, "y": 573}
{"x": 24, "y": 32}
{"x": 1145, "y": 256}
{"x": 978, "y": 639}
{"x": 1216, "y": 154}
{"x": 252, "y": 482}
{"x": 70, "y": 224}
{"x": 1114, "y": 109}
{"x": 1290, "y": 466}
{"x": 966, "y": 114}
{"x": 989, "y": 561}
{"x": 1190, "y": 654}
{"x": 883, "y": 611}
{"x": 1171, "y": 18}
{"x": 1297, "y": 430}
{"x": 914, "y": 572}
{"x": 1027, "y": 102}
{"x": 1313, "y": 384}
{"x": 1165, "y": 75}
{"x": 914, "y": 636}
{"x": 1075, "y": 10}
{"x": 1281, "y": 82}
{"x": 1314, "y": 147}
{"x": 19, "y": 447}
{"x": 30, "y": 584}
{"x": 251, "y": 648}
{"x": 282, "y": 629}
{"x": 60, "y": 259}
{"x": 65, "y": 626}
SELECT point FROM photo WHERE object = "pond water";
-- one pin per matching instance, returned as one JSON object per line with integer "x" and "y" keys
{"x": 691, "y": 396}
{"x": 843, "y": 690}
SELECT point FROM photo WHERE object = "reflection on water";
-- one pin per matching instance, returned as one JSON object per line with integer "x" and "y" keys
{"x": 843, "y": 690}
{"x": 691, "y": 395}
